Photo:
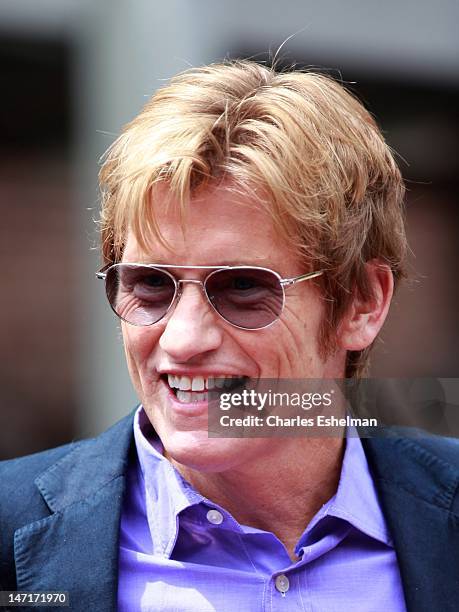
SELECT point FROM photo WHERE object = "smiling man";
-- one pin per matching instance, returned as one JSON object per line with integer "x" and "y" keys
{"x": 252, "y": 228}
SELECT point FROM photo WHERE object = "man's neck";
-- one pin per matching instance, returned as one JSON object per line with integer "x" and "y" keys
{"x": 281, "y": 493}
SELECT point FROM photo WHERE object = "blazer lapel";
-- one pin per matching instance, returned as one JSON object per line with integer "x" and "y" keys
{"x": 75, "y": 549}
{"x": 419, "y": 497}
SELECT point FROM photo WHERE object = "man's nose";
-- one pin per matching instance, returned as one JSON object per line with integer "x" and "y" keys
{"x": 192, "y": 328}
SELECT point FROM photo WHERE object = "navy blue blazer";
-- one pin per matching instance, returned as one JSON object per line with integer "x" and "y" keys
{"x": 60, "y": 513}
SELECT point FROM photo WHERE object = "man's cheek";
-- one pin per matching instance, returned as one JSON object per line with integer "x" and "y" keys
{"x": 139, "y": 343}
{"x": 132, "y": 367}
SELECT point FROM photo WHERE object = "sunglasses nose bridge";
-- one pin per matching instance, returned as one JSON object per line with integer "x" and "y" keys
{"x": 182, "y": 281}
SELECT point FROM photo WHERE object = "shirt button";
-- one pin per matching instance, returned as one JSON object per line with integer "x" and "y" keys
{"x": 282, "y": 583}
{"x": 215, "y": 517}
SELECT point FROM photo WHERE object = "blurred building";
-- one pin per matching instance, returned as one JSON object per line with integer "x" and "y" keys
{"x": 73, "y": 72}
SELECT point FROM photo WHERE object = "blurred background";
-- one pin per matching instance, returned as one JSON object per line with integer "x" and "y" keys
{"x": 73, "y": 72}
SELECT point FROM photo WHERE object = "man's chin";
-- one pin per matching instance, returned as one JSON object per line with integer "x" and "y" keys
{"x": 194, "y": 450}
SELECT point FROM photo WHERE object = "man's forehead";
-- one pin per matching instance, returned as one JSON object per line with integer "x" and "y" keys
{"x": 217, "y": 223}
{"x": 223, "y": 200}
{"x": 202, "y": 254}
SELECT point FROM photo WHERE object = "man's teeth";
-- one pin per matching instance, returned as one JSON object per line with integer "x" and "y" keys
{"x": 200, "y": 383}
{"x": 188, "y": 397}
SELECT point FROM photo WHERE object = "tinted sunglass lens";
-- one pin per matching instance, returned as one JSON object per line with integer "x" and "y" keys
{"x": 139, "y": 294}
{"x": 246, "y": 297}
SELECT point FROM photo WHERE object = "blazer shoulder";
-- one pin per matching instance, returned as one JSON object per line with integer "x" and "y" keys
{"x": 20, "y": 499}
{"x": 18, "y": 476}
{"x": 419, "y": 463}
{"x": 446, "y": 449}
{"x": 403, "y": 439}
{"x": 29, "y": 466}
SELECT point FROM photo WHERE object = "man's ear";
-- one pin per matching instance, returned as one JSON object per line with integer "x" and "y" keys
{"x": 366, "y": 315}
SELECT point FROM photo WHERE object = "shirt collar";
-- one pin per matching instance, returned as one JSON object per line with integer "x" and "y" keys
{"x": 356, "y": 499}
{"x": 167, "y": 492}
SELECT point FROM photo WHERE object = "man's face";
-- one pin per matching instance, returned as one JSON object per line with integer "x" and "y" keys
{"x": 192, "y": 340}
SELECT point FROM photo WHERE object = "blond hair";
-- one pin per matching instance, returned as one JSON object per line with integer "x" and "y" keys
{"x": 330, "y": 181}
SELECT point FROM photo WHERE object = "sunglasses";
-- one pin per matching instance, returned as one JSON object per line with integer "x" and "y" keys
{"x": 247, "y": 297}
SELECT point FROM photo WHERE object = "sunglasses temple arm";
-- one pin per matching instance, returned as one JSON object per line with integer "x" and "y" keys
{"x": 287, "y": 282}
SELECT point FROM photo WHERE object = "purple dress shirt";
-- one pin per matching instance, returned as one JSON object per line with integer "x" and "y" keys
{"x": 181, "y": 552}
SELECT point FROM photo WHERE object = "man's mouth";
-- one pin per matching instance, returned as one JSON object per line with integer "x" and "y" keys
{"x": 192, "y": 389}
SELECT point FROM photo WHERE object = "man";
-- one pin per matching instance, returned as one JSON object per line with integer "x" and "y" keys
{"x": 251, "y": 228}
